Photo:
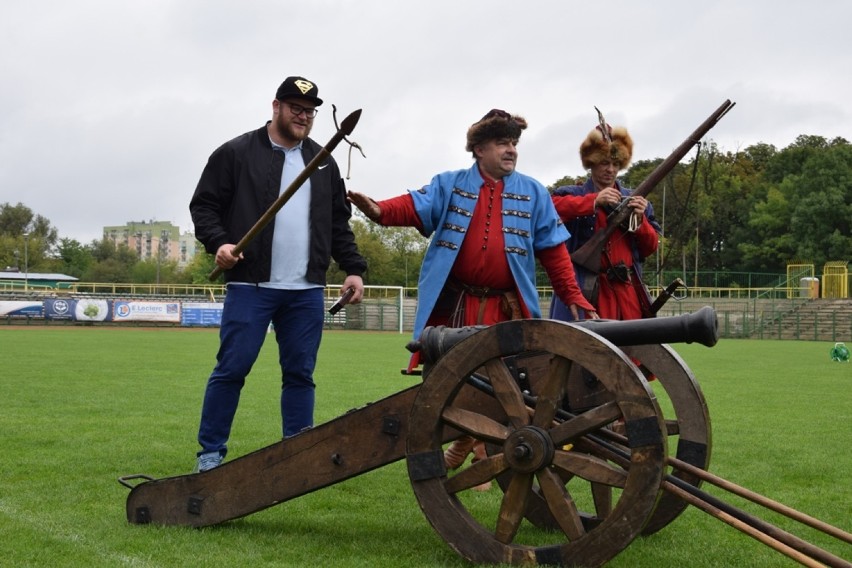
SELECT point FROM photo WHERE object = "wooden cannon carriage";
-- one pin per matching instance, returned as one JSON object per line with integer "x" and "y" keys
{"x": 574, "y": 435}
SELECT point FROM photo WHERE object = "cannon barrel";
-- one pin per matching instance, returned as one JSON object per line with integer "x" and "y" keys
{"x": 697, "y": 327}
{"x": 700, "y": 326}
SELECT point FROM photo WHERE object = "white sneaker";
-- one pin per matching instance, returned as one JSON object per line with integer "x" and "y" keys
{"x": 207, "y": 461}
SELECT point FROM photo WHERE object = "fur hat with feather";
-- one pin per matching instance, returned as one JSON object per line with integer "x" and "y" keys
{"x": 596, "y": 148}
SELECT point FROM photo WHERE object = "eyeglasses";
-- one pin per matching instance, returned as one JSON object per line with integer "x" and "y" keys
{"x": 299, "y": 109}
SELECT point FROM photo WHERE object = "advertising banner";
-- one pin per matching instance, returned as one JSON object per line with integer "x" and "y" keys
{"x": 21, "y": 308}
{"x": 82, "y": 309}
{"x": 59, "y": 309}
{"x": 88, "y": 309}
{"x": 202, "y": 313}
{"x": 124, "y": 310}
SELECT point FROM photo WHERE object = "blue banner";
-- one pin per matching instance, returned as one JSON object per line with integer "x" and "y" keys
{"x": 202, "y": 313}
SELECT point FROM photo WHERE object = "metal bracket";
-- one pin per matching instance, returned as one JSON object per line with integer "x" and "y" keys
{"x": 390, "y": 426}
{"x": 193, "y": 505}
{"x": 143, "y": 516}
{"x": 426, "y": 465}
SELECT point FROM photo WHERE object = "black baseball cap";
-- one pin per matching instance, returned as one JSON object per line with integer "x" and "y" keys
{"x": 298, "y": 88}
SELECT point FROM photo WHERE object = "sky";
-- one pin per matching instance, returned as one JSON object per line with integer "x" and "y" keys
{"x": 109, "y": 109}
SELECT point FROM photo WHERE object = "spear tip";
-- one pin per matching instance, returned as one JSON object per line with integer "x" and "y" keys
{"x": 348, "y": 124}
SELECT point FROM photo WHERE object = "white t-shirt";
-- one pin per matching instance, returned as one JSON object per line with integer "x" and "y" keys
{"x": 292, "y": 236}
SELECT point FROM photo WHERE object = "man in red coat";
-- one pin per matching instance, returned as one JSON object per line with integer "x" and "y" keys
{"x": 618, "y": 291}
{"x": 488, "y": 223}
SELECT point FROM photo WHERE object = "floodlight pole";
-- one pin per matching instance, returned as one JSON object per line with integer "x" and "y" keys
{"x": 26, "y": 262}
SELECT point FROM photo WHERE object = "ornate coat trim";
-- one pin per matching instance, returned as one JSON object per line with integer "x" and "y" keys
{"x": 460, "y": 211}
{"x": 516, "y": 231}
{"x": 516, "y": 213}
{"x": 466, "y": 194}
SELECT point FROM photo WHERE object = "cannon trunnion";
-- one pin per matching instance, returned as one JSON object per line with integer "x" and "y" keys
{"x": 574, "y": 434}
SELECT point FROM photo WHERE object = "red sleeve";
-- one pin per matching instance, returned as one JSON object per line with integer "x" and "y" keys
{"x": 399, "y": 212}
{"x": 647, "y": 239}
{"x": 560, "y": 270}
{"x": 569, "y": 207}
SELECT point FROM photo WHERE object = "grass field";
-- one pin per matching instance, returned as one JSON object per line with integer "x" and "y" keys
{"x": 84, "y": 406}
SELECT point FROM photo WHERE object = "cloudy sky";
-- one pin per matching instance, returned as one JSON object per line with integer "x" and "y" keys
{"x": 109, "y": 109}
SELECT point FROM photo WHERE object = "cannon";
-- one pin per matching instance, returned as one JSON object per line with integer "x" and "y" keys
{"x": 574, "y": 434}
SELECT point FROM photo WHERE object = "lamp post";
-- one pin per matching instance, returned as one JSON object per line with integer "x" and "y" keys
{"x": 26, "y": 262}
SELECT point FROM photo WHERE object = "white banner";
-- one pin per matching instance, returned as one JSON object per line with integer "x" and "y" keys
{"x": 146, "y": 311}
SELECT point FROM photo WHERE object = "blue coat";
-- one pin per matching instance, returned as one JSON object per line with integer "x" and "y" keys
{"x": 445, "y": 207}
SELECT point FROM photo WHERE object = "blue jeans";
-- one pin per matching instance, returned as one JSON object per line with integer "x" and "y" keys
{"x": 298, "y": 317}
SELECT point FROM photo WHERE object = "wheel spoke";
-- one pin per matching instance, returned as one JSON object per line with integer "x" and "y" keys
{"x": 508, "y": 392}
{"x": 475, "y": 424}
{"x": 560, "y": 503}
{"x": 550, "y": 394}
{"x": 513, "y": 506}
{"x": 476, "y": 474}
{"x": 602, "y": 497}
{"x": 590, "y": 468}
{"x": 584, "y": 423}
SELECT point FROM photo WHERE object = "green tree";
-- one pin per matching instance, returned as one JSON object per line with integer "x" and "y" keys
{"x": 152, "y": 271}
{"x": 770, "y": 242}
{"x": 111, "y": 263}
{"x": 369, "y": 239}
{"x": 198, "y": 270}
{"x": 73, "y": 258}
{"x": 407, "y": 248}
{"x": 25, "y": 237}
{"x": 821, "y": 220}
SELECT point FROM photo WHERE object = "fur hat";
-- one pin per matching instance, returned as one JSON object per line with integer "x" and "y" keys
{"x": 496, "y": 124}
{"x": 595, "y": 148}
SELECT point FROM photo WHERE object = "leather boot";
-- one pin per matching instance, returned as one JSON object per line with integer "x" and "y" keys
{"x": 455, "y": 455}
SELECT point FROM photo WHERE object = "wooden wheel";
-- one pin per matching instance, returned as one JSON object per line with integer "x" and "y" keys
{"x": 688, "y": 429}
{"x": 568, "y": 457}
{"x": 687, "y": 425}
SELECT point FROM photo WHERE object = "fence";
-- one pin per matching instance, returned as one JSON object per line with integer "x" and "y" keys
{"x": 763, "y": 313}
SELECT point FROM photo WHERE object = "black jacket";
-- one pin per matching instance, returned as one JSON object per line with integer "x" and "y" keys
{"x": 242, "y": 179}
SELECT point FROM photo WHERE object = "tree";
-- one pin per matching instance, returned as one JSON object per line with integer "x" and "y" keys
{"x": 198, "y": 270}
{"x": 821, "y": 220}
{"x": 407, "y": 248}
{"x": 154, "y": 271}
{"x": 369, "y": 239}
{"x": 112, "y": 264}
{"x": 31, "y": 235}
{"x": 73, "y": 258}
{"x": 770, "y": 243}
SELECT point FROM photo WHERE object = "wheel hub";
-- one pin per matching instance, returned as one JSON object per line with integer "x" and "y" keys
{"x": 528, "y": 449}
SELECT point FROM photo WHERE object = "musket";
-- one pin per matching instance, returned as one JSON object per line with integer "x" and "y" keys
{"x": 589, "y": 255}
{"x": 346, "y": 128}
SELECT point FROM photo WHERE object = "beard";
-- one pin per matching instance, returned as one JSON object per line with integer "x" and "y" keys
{"x": 291, "y": 130}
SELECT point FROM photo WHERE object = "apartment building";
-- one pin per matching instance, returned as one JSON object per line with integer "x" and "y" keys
{"x": 150, "y": 238}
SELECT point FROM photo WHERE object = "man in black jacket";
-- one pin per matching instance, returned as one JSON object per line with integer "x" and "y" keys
{"x": 280, "y": 276}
